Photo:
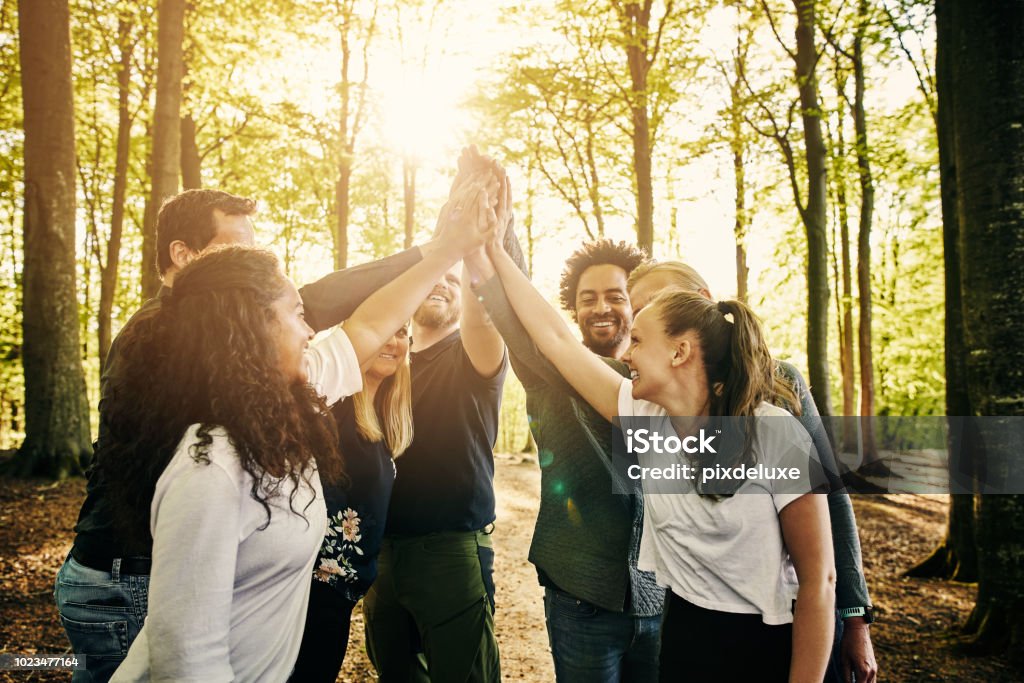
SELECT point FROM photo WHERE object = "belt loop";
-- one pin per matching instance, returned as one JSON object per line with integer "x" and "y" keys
{"x": 115, "y": 570}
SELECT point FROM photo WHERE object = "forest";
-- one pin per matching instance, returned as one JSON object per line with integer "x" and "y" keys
{"x": 853, "y": 169}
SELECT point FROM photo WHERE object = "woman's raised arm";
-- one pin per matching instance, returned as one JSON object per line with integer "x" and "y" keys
{"x": 597, "y": 383}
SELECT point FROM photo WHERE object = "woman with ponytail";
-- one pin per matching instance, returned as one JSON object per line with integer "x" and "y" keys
{"x": 734, "y": 563}
{"x": 852, "y": 651}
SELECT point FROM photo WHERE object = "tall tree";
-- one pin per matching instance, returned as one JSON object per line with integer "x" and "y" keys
{"x": 867, "y": 207}
{"x": 108, "y": 269}
{"x": 987, "y": 108}
{"x": 813, "y": 211}
{"x": 57, "y": 414}
{"x": 956, "y": 556}
{"x": 356, "y": 33}
{"x": 642, "y": 43}
{"x": 165, "y": 158}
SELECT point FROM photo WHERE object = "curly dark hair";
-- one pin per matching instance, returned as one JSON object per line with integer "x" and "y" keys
{"x": 208, "y": 356}
{"x": 188, "y": 217}
{"x": 596, "y": 253}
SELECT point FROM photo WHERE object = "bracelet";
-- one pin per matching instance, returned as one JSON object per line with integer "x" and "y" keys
{"x": 866, "y": 612}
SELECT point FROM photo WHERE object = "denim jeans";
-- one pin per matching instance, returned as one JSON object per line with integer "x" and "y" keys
{"x": 591, "y": 644}
{"x": 102, "y": 613}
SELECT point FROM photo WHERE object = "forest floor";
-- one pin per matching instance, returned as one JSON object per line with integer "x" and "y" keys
{"x": 916, "y": 618}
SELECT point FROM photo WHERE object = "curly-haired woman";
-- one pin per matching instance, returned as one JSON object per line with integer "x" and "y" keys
{"x": 218, "y": 450}
{"x": 375, "y": 426}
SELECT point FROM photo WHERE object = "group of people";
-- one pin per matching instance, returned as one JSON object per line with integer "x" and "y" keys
{"x": 251, "y": 484}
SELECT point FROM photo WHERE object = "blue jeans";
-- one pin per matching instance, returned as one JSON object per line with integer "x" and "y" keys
{"x": 590, "y": 644}
{"x": 102, "y": 613}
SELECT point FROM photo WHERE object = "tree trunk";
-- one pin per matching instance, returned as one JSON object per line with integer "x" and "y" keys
{"x": 814, "y": 213}
{"x": 988, "y": 106}
{"x": 956, "y": 556}
{"x": 635, "y": 17}
{"x": 341, "y": 204}
{"x": 737, "y": 144}
{"x": 867, "y": 207}
{"x": 108, "y": 270}
{"x": 56, "y": 409}
{"x": 846, "y": 357}
{"x": 165, "y": 156}
{"x": 409, "y": 196}
{"x": 191, "y": 163}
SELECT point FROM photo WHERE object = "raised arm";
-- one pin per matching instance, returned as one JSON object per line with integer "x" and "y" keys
{"x": 597, "y": 383}
{"x": 805, "y": 529}
{"x": 484, "y": 345}
{"x": 383, "y": 313}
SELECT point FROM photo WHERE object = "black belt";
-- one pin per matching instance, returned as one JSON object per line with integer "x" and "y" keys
{"x": 129, "y": 565}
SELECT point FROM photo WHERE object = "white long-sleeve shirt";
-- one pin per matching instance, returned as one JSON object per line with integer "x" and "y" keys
{"x": 227, "y": 599}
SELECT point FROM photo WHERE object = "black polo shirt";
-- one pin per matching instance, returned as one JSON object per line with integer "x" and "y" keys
{"x": 445, "y": 479}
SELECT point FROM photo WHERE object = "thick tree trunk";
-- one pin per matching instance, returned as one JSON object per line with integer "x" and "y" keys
{"x": 191, "y": 163}
{"x": 108, "y": 271}
{"x": 956, "y": 557}
{"x": 988, "y": 106}
{"x": 56, "y": 410}
{"x": 814, "y": 213}
{"x": 165, "y": 156}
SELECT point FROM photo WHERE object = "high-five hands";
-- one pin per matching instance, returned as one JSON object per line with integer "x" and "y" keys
{"x": 468, "y": 221}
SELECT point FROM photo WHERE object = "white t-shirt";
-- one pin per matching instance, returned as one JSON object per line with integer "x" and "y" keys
{"x": 227, "y": 600}
{"x": 726, "y": 555}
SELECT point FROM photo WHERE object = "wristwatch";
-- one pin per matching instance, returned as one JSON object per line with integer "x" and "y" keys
{"x": 867, "y": 612}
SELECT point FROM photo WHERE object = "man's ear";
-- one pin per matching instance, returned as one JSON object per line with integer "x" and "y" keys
{"x": 181, "y": 254}
{"x": 682, "y": 352}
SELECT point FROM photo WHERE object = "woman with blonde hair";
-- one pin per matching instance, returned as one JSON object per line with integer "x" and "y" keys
{"x": 852, "y": 650}
{"x": 734, "y": 564}
{"x": 375, "y": 426}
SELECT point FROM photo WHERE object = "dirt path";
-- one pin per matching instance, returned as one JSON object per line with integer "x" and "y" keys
{"x": 915, "y": 617}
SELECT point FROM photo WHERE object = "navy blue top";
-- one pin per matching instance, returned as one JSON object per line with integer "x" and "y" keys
{"x": 356, "y": 512}
{"x": 446, "y": 478}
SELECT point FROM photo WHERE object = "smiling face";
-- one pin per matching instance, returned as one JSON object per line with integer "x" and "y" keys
{"x": 443, "y": 305}
{"x": 653, "y": 357}
{"x": 391, "y": 356}
{"x": 602, "y": 309}
{"x": 292, "y": 334}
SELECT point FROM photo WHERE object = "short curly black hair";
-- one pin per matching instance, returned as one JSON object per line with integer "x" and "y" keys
{"x": 596, "y": 253}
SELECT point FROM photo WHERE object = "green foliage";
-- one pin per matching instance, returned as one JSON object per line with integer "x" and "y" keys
{"x": 552, "y": 102}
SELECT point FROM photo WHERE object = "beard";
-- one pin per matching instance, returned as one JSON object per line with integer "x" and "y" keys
{"x": 437, "y": 318}
{"x": 604, "y": 346}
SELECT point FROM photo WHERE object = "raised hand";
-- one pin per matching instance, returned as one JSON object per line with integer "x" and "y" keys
{"x": 470, "y": 220}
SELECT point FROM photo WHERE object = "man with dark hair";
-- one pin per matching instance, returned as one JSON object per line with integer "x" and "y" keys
{"x": 103, "y": 583}
{"x": 592, "y": 289}
{"x": 603, "y": 614}
{"x": 191, "y": 221}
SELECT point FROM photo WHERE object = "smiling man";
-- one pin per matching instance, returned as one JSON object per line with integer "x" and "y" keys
{"x": 603, "y": 614}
